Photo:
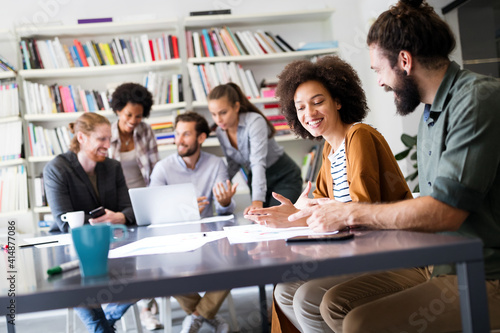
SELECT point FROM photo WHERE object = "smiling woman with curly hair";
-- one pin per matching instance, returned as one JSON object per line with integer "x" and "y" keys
{"x": 337, "y": 77}
{"x": 325, "y": 100}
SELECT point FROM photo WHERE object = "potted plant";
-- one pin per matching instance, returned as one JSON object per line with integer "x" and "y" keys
{"x": 410, "y": 143}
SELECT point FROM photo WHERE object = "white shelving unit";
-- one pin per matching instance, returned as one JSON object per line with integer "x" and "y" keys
{"x": 295, "y": 27}
{"x": 95, "y": 78}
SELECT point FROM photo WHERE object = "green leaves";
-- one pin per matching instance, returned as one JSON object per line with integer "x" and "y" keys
{"x": 410, "y": 143}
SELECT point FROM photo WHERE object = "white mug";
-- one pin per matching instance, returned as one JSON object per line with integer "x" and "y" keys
{"x": 74, "y": 219}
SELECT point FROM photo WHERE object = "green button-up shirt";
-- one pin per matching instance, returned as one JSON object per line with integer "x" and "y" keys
{"x": 459, "y": 157}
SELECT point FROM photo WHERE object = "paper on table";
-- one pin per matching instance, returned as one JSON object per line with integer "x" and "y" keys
{"x": 204, "y": 220}
{"x": 62, "y": 239}
{"x": 258, "y": 233}
{"x": 166, "y": 244}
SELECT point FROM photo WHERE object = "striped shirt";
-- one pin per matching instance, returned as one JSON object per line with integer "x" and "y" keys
{"x": 339, "y": 174}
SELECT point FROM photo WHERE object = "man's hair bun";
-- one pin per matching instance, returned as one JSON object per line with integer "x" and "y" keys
{"x": 412, "y": 3}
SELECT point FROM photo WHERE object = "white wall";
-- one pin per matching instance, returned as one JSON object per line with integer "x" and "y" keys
{"x": 350, "y": 25}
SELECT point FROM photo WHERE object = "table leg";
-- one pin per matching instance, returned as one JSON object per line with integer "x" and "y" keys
{"x": 473, "y": 300}
{"x": 263, "y": 308}
{"x": 10, "y": 328}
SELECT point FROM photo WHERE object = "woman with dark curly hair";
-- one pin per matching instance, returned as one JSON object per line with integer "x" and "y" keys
{"x": 133, "y": 142}
{"x": 246, "y": 137}
{"x": 325, "y": 100}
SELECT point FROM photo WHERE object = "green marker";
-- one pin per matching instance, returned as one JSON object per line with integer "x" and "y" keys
{"x": 63, "y": 267}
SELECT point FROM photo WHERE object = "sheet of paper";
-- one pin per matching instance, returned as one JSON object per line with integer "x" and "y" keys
{"x": 204, "y": 220}
{"x": 166, "y": 244}
{"x": 61, "y": 239}
{"x": 257, "y": 233}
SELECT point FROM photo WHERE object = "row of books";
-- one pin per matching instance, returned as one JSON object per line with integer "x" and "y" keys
{"x": 44, "y": 99}
{"x": 312, "y": 163}
{"x": 11, "y": 140}
{"x": 5, "y": 65}
{"x": 48, "y": 141}
{"x": 13, "y": 189}
{"x": 52, "y": 54}
{"x": 273, "y": 114}
{"x": 205, "y": 77}
{"x": 219, "y": 42}
{"x": 9, "y": 99}
{"x": 164, "y": 91}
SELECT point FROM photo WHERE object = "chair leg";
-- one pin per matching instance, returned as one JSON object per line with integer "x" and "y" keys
{"x": 166, "y": 314}
{"x": 70, "y": 321}
{"x": 136, "y": 317}
{"x": 232, "y": 313}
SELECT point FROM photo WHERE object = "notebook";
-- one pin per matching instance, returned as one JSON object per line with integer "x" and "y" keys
{"x": 165, "y": 204}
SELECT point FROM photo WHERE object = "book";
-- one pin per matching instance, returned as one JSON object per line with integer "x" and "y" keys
{"x": 235, "y": 41}
{"x": 175, "y": 45}
{"x": 282, "y": 41}
{"x": 95, "y": 20}
{"x": 197, "y": 45}
{"x": 81, "y": 53}
{"x": 211, "y": 12}
{"x": 208, "y": 43}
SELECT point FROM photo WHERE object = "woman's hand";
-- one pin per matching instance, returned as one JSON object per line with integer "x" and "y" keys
{"x": 255, "y": 205}
{"x": 276, "y": 216}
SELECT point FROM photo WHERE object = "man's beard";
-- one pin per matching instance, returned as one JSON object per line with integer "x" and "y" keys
{"x": 407, "y": 96}
{"x": 190, "y": 151}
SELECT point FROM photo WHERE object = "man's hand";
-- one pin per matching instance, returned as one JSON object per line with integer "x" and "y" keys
{"x": 202, "y": 203}
{"x": 223, "y": 194}
{"x": 109, "y": 217}
{"x": 324, "y": 215}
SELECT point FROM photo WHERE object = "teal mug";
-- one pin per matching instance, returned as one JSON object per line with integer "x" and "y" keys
{"x": 92, "y": 246}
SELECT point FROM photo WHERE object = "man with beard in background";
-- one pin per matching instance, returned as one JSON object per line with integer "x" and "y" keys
{"x": 459, "y": 178}
{"x": 208, "y": 173}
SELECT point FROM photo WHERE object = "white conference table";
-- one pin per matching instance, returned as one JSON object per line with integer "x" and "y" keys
{"x": 219, "y": 265}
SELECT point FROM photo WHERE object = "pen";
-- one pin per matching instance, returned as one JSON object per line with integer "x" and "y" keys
{"x": 63, "y": 267}
{"x": 35, "y": 244}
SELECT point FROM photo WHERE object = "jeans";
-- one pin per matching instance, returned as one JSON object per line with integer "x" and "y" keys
{"x": 98, "y": 320}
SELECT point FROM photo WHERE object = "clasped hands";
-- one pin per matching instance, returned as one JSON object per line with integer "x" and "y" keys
{"x": 320, "y": 214}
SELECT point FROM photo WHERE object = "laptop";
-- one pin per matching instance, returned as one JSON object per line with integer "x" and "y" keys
{"x": 165, "y": 204}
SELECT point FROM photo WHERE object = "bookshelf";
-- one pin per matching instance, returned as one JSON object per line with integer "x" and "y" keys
{"x": 101, "y": 77}
{"x": 309, "y": 25}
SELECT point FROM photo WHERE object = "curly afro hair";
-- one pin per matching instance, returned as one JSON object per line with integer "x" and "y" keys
{"x": 339, "y": 79}
{"x": 131, "y": 93}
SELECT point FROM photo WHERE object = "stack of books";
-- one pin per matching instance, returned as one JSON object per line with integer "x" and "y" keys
{"x": 12, "y": 139}
{"x": 5, "y": 65}
{"x": 272, "y": 113}
{"x": 44, "y": 99}
{"x": 48, "y": 142}
{"x": 14, "y": 188}
{"x": 220, "y": 42}
{"x": 205, "y": 77}
{"x": 52, "y": 54}
{"x": 163, "y": 89}
{"x": 9, "y": 100}
{"x": 163, "y": 129}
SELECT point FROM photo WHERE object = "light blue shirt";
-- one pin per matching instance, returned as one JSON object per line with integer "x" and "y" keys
{"x": 208, "y": 171}
{"x": 255, "y": 153}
